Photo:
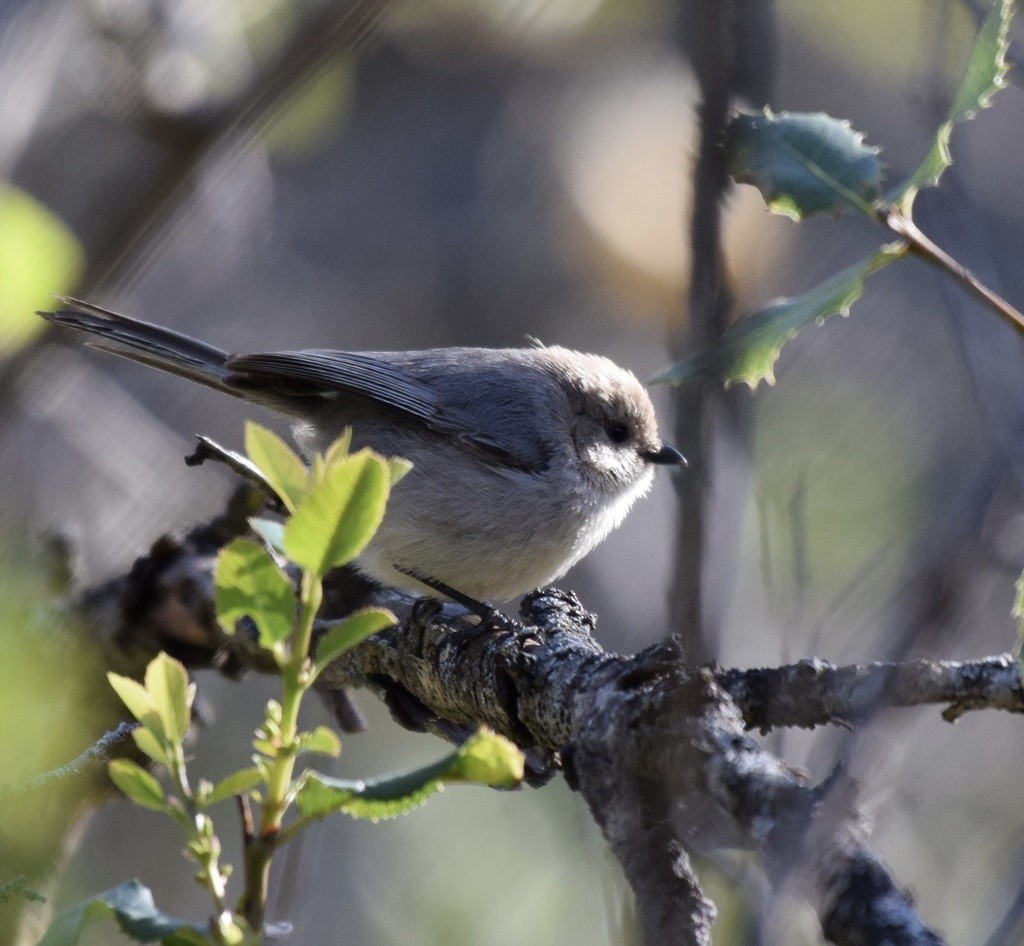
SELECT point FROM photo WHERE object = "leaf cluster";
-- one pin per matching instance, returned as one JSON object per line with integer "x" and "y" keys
{"x": 806, "y": 164}
{"x": 273, "y": 588}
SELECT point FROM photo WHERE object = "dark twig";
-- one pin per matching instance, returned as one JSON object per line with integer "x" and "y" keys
{"x": 730, "y": 45}
{"x": 814, "y": 692}
{"x": 708, "y": 37}
{"x": 117, "y": 235}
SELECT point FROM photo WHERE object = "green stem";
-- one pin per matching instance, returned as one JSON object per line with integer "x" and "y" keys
{"x": 296, "y": 678}
{"x": 189, "y": 817}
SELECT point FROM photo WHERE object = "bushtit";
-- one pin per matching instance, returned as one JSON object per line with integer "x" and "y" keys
{"x": 523, "y": 459}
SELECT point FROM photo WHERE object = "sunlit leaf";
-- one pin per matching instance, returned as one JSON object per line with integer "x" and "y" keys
{"x": 749, "y": 349}
{"x": 488, "y": 759}
{"x": 339, "y": 517}
{"x": 321, "y": 740}
{"x": 39, "y": 257}
{"x": 249, "y": 583}
{"x": 351, "y": 631}
{"x": 804, "y": 163}
{"x": 237, "y": 783}
{"x": 986, "y": 68}
{"x": 138, "y": 701}
{"x": 338, "y": 450}
{"x": 168, "y": 687}
{"x": 149, "y": 744}
{"x": 135, "y": 782}
{"x": 279, "y": 464}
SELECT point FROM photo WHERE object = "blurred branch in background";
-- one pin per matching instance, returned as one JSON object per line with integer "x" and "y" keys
{"x": 157, "y": 108}
{"x": 163, "y": 116}
{"x": 730, "y": 45}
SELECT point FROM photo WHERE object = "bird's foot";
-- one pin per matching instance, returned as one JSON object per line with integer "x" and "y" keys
{"x": 491, "y": 617}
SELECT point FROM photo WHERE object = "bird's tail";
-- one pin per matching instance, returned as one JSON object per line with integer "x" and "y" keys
{"x": 150, "y": 344}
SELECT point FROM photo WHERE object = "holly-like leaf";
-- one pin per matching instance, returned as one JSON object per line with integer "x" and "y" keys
{"x": 484, "y": 759}
{"x": 749, "y": 349}
{"x": 168, "y": 687}
{"x": 135, "y": 782}
{"x": 279, "y": 464}
{"x": 131, "y": 905}
{"x": 804, "y": 163}
{"x": 339, "y": 517}
{"x": 249, "y": 584}
{"x": 350, "y": 632}
{"x": 237, "y": 783}
{"x": 986, "y": 68}
{"x": 374, "y": 800}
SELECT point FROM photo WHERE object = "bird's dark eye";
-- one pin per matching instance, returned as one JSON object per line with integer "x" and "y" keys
{"x": 617, "y": 433}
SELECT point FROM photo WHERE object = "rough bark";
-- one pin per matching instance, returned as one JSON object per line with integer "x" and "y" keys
{"x": 660, "y": 751}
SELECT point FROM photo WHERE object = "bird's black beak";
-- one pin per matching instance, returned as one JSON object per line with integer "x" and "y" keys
{"x": 666, "y": 455}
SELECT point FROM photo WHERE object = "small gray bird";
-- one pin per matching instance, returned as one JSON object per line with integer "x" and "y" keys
{"x": 524, "y": 459}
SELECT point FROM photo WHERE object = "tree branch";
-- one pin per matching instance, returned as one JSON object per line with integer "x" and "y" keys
{"x": 658, "y": 749}
{"x": 815, "y": 692}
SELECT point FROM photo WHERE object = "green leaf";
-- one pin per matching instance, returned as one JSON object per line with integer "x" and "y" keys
{"x": 39, "y": 256}
{"x": 271, "y": 531}
{"x": 749, "y": 349}
{"x": 485, "y": 759}
{"x": 168, "y": 687}
{"x": 350, "y": 632}
{"x": 488, "y": 759}
{"x": 373, "y": 800}
{"x": 249, "y": 583}
{"x": 238, "y": 783}
{"x": 279, "y": 464}
{"x": 137, "y": 784}
{"x": 131, "y": 905}
{"x": 149, "y": 745}
{"x": 804, "y": 163}
{"x": 321, "y": 740}
{"x": 338, "y": 450}
{"x": 398, "y": 467}
{"x": 138, "y": 701}
{"x": 339, "y": 517}
{"x": 986, "y": 68}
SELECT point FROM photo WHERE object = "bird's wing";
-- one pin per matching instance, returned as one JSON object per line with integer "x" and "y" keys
{"x": 373, "y": 378}
{"x": 340, "y": 372}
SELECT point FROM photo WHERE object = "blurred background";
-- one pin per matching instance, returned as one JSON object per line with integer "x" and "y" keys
{"x": 293, "y": 173}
